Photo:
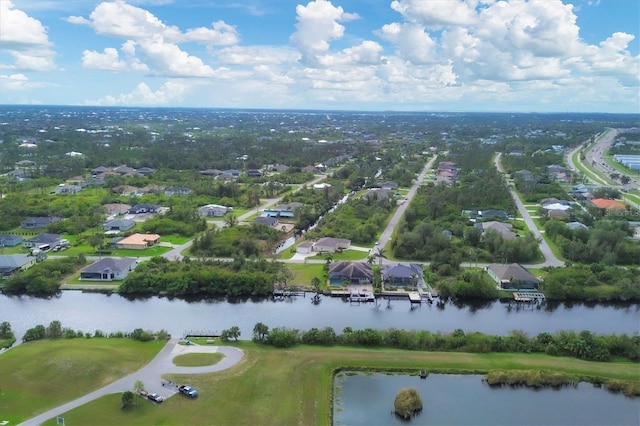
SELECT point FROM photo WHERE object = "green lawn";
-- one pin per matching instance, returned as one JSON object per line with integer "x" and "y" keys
{"x": 345, "y": 255}
{"x": 273, "y": 386}
{"x": 41, "y": 375}
{"x": 198, "y": 359}
{"x": 175, "y": 239}
{"x": 304, "y": 273}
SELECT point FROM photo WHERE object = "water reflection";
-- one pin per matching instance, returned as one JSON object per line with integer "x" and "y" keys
{"x": 367, "y": 399}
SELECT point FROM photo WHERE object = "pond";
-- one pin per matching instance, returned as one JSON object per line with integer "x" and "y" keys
{"x": 367, "y": 399}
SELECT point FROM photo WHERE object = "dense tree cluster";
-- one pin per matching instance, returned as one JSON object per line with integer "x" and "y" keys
{"x": 605, "y": 242}
{"x": 594, "y": 282}
{"x": 254, "y": 240}
{"x": 358, "y": 220}
{"x": 202, "y": 278}
{"x": 583, "y": 344}
{"x": 43, "y": 279}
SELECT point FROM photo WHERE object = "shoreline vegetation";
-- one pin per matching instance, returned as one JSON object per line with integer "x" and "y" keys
{"x": 261, "y": 380}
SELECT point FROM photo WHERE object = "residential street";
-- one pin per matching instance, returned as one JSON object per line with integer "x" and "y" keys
{"x": 550, "y": 258}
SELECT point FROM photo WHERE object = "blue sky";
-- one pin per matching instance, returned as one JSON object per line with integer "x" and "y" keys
{"x": 411, "y": 55}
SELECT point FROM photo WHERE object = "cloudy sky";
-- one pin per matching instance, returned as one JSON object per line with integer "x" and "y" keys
{"x": 418, "y": 55}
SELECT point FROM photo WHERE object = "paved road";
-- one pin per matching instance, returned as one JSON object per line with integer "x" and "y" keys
{"x": 595, "y": 158}
{"x": 385, "y": 237}
{"x": 550, "y": 258}
{"x": 151, "y": 376}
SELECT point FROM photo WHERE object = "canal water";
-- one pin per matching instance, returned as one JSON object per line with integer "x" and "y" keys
{"x": 363, "y": 399}
{"x": 94, "y": 311}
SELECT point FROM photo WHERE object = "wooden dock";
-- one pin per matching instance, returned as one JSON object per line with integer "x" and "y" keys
{"x": 528, "y": 296}
{"x": 414, "y": 297}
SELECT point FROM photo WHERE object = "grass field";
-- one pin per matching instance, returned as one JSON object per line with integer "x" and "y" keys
{"x": 198, "y": 360}
{"x": 41, "y": 375}
{"x": 269, "y": 386}
{"x": 304, "y": 273}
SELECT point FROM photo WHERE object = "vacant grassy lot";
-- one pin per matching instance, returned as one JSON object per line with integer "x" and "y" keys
{"x": 41, "y": 375}
{"x": 303, "y": 273}
{"x": 287, "y": 386}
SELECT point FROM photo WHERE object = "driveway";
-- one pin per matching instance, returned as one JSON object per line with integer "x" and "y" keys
{"x": 151, "y": 376}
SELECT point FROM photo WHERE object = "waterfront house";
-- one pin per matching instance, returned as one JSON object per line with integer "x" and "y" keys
{"x": 402, "y": 275}
{"x": 512, "y": 276}
{"x": 12, "y": 263}
{"x": 108, "y": 269}
{"x": 351, "y": 272}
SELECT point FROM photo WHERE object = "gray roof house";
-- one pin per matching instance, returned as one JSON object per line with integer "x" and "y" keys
{"x": 513, "y": 276}
{"x": 39, "y": 222}
{"x": 67, "y": 189}
{"x": 388, "y": 185}
{"x": 402, "y": 274}
{"x": 266, "y": 220}
{"x": 119, "y": 225}
{"x": 12, "y": 263}
{"x": 353, "y": 272}
{"x": 10, "y": 240}
{"x": 213, "y": 210}
{"x": 38, "y": 240}
{"x": 109, "y": 269}
{"x": 144, "y": 208}
{"x": 504, "y": 229}
{"x": 331, "y": 245}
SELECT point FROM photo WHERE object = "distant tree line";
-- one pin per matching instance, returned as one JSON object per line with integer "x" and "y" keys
{"x": 202, "y": 278}
{"x": 55, "y": 330}
{"x": 583, "y": 345}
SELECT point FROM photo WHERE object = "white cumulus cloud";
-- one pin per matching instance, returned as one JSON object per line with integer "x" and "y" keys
{"x": 25, "y": 39}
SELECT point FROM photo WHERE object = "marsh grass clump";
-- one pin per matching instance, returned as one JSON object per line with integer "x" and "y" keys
{"x": 407, "y": 403}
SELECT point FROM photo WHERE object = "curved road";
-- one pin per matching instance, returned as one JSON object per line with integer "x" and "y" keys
{"x": 151, "y": 376}
{"x": 550, "y": 258}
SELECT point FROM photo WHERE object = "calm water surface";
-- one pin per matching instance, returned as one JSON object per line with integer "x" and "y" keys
{"x": 92, "y": 311}
{"x": 465, "y": 400}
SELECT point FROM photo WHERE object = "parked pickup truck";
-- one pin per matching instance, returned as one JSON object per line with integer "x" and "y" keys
{"x": 188, "y": 391}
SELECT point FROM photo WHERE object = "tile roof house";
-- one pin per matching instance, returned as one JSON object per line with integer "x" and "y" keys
{"x": 604, "y": 203}
{"x": 351, "y": 272}
{"x": 331, "y": 245}
{"x": 108, "y": 269}
{"x": 38, "y": 240}
{"x": 12, "y": 263}
{"x": 38, "y": 222}
{"x": 138, "y": 241}
{"x": 402, "y": 274}
{"x": 513, "y": 276}
{"x": 10, "y": 240}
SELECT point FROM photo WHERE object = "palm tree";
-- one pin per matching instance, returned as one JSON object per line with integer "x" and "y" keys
{"x": 380, "y": 255}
